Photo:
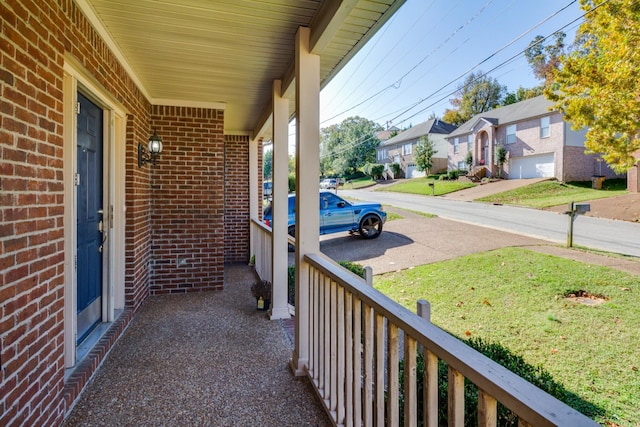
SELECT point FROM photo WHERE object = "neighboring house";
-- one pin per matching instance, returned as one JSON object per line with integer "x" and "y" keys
{"x": 539, "y": 143}
{"x": 401, "y": 148}
{"x": 384, "y": 135}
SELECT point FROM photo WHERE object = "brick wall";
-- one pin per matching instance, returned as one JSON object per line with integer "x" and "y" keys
{"x": 236, "y": 204}
{"x": 581, "y": 167}
{"x": 35, "y": 37}
{"x": 173, "y": 211}
{"x": 187, "y": 218}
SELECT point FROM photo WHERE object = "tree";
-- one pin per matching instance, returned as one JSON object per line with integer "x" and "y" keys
{"x": 267, "y": 164}
{"x": 425, "y": 150}
{"x": 598, "y": 82}
{"x": 522, "y": 94}
{"x": 349, "y": 145}
{"x": 545, "y": 60}
{"x": 477, "y": 94}
{"x": 501, "y": 159}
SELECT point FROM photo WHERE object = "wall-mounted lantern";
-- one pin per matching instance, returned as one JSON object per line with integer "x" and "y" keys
{"x": 151, "y": 154}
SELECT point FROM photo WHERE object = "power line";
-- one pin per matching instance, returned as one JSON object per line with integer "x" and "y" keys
{"x": 502, "y": 64}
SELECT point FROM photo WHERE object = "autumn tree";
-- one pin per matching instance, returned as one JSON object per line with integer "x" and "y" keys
{"x": 545, "y": 60}
{"x": 425, "y": 150}
{"x": 477, "y": 94}
{"x": 598, "y": 84}
{"x": 349, "y": 145}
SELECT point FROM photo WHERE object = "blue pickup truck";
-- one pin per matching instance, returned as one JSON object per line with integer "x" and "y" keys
{"x": 337, "y": 215}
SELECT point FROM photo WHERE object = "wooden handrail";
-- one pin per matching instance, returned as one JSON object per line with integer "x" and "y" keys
{"x": 531, "y": 404}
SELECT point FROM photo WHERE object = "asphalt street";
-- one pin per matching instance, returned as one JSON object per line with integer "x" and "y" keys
{"x": 596, "y": 233}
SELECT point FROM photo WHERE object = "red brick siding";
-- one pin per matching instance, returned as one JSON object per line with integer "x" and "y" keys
{"x": 236, "y": 195}
{"x": 187, "y": 218}
{"x": 35, "y": 37}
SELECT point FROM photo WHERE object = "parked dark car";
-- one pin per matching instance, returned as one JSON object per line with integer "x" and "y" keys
{"x": 337, "y": 215}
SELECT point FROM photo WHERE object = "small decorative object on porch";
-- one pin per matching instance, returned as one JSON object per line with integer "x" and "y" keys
{"x": 262, "y": 291}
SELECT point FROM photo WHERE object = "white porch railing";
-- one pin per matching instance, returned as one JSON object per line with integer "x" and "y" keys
{"x": 354, "y": 335}
{"x": 261, "y": 248}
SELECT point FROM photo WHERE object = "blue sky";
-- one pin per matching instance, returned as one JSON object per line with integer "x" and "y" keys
{"x": 430, "y": 43}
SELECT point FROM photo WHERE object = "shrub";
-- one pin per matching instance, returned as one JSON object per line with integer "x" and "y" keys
{"x": 499, "y": 354}
{"x": 353, "y": 267}
{"x": 455, "y": 173}
{"x": 292, "y": 182}
{"x": 395, "y": 168}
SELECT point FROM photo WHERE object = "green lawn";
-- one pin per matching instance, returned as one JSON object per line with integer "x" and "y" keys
{"x": 515, "y": 297}
{"x": 420, "y": 186}
{"x": 354, "y": 184}
{"x": 553, "y": 193}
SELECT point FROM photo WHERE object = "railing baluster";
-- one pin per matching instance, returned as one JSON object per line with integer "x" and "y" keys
{"x": 410, "y": 384}
{"x": 430, "y": 389}
{"x": 321, "y": 337}
{"x": 333, "y": 322}
{"x": 341, "y": 356}
{"x": 523, "y": 423}
{"x": 357, "y": 361}
{"x": 487, "y": 409}
{"x": 350, "y": 345}
{"x": 313, "y": 323}
{"x": 326, "y": 304}
{"x": 368, "y": 365}
{"x": 379, "y": 367}
{"x": 456, "y": 398}
{"x": 393, "y": 413}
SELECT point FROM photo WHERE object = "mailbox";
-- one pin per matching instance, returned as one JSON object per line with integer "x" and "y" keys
{"x": 582, "y": 208}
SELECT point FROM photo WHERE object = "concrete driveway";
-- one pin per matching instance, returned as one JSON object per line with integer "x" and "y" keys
{"x": 415, "y": 240}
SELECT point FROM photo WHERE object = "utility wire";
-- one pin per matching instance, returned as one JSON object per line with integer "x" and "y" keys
{"x": 398, "y": 82}
{"x": 509, "y": 60}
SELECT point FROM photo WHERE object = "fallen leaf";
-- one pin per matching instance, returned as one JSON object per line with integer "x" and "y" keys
{"x": 554, "y": 350}
{"x": 625, "y": 289}
{"x": 467, "y": 333}
{"x": 634, "y": 368}
{"x": 562, "y": 337}
{"x": 463, "y": 317}
{"x": 459, "y": 304}
{"x": 486, "y": 302}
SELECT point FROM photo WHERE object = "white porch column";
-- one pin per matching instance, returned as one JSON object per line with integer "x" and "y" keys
{"x": 307, "y": 72}
{"x": 253, "y": 189}
{"x": 279, "y": 303}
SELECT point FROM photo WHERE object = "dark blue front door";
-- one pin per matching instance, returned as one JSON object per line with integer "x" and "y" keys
{"x": 89, "y": 217}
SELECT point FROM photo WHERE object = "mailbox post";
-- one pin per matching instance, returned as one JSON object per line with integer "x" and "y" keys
{"x": 432, "y": 184}
{"x": 575, "y": 209}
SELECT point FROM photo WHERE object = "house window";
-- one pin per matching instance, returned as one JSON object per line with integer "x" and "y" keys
{"x": 462, "y": 165}
{"x": 470, "y": 139}
{"x": 406, "y": 149}
{"x": 511, "y": 134}
{"x": 456, "y": 145}
{"x": 545, "y": 131}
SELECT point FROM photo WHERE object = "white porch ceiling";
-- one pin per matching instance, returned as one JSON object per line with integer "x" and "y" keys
{"x": 215, "y": 53}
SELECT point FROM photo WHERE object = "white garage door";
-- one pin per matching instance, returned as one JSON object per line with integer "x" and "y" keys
{"x": 539, "y": 166}
{"x": 413, "y": 172}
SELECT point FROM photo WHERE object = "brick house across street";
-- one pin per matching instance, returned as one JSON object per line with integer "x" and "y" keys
{"x": 538, "y": 142}
{"x": 400, "y": 149}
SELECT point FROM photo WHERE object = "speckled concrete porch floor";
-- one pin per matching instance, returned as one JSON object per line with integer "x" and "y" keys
{"x": 200, "y": 359}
